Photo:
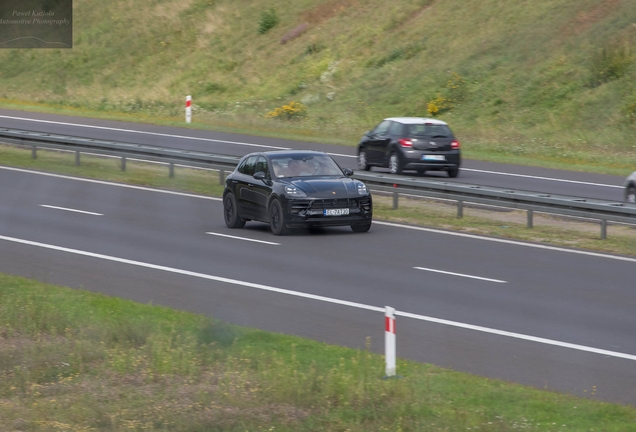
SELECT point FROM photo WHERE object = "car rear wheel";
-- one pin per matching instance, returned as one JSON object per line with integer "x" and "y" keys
{"x": 277, "y": 218}
{"x": 421, "y": 171}
{"x": 361, "y": 228}
{"x": 395, "y": 164}
{"x": 363, "y": 162}
{"x": 230, "y": 212}
{"x": 630, "y": 194}
{"x": 453, "y": 172}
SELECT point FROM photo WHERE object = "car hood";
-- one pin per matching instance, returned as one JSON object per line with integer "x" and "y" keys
{"x": 326, "y": 187}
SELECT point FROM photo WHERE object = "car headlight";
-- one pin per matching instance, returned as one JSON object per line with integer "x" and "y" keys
{"x": 294, "y": 192}
{"x": 362, "y": 188}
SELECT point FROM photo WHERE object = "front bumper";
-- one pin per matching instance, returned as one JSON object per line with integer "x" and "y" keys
{"x": 305, "y": 212}
{"x": 413, "y": 160}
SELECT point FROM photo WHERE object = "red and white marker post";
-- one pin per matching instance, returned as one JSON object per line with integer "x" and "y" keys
{"x": 389, "y": 340}
{"x": 188, "y": 109}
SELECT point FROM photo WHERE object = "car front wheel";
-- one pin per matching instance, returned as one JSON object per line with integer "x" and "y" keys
{"x": 277, "y": 218}
{"x": 363, "y": 162}
{"x": 630, "y": 194}
{"x": 395, "y": 165}
{"x": 230, "y": 212}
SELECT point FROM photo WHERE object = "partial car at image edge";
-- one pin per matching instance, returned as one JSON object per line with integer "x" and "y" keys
{"x": 630, "y": 188}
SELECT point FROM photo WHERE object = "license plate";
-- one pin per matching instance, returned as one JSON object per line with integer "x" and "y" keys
{"x": 336, "y": 212}
{"x": 434, "y": 157}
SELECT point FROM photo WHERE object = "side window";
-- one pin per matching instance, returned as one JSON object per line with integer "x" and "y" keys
{"x": 382, "y": 128}
{"x": 396, "y": 129}
{"x": 261, "y": 165}
{"x": 248, "y": 167}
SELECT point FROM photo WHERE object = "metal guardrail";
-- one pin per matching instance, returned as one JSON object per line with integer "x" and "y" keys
{"x": 118, "y": 149}
{"x": 602, "y": 210}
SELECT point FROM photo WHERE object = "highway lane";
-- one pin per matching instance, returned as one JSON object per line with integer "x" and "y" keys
{"x": 534, "y": 179}
{"x": 560, "y": 295}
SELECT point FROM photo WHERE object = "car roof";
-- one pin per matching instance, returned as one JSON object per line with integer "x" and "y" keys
{"x": 290, "y": 153}
{"x": 416, "y": 120}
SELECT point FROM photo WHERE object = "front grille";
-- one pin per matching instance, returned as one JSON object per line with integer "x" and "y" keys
{"x": 318, "y": 205}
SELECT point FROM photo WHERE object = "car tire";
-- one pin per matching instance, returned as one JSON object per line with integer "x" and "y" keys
{"x": 421, "y": 171}
{"x": 453, "y": 172}
{"x": 361, "y": 228}
{"x": 277, "y": 218}
{"x": 363, "y": 161}
{"x": 630, "y": 194}
{"x": 395, "y": 164}
{"x": 230, "y": 212}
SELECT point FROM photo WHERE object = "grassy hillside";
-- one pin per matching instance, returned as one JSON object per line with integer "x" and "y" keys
{"x": 543, "y": 82}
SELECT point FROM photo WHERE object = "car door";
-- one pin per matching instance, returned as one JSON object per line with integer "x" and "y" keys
{"x": 244, "y": 179}
{"x": 377, "y": 142}
{"x": 260, "y": 190}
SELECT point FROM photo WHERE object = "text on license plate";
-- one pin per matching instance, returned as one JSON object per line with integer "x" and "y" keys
{"x": 336, "y": 212}
{"x": 434, "y": 157}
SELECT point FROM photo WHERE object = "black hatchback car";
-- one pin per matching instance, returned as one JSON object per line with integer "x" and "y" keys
{"x": 410, "y": 143}
{"x": 295, "y": 188}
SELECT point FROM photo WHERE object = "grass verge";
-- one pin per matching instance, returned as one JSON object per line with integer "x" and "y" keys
{"x": 547, "y": 229}
{"x": 71, "y": 360}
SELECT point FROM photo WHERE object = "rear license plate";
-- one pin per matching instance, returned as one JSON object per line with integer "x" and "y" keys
{"x": 434, "y": 157}
{"x": 336, "y": 212}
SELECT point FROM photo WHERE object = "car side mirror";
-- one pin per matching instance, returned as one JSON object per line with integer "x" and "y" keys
{"x": 368, "y": 133}
{"x": 261, "y": 176}
{"x": 348, "y": 172}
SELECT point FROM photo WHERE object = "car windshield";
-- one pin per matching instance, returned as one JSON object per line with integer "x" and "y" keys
{"x": 304, "y": 166}
{"x": 429, "y": 130}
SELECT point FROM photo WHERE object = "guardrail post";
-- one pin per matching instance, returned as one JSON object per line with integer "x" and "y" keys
{"x": 123, "y": 163}
{"x": 77, "y": 158}
{"x": 389, "y": 341}
{"x": 460, "y": 209}
{"x": 171, "y": 170}
{"x": 34, "y": 152}
{"x": 603, "y": 229}
{"x": 529, "y": 218}
{"x": 221, "y": 177}
{"x": 395, "y": 197}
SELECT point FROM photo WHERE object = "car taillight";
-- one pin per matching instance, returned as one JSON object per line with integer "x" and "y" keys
{"x": 454, "y": 144}
{"x": 405, "y": 142}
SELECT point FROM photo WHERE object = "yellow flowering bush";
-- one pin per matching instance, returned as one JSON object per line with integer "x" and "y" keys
{"x": 291, "y": 111}
{"x": 438, "y": 105}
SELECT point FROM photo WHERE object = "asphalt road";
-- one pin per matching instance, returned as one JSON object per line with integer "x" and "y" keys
{"x": 533, "y": 179}
{"x": 548, "y": 317}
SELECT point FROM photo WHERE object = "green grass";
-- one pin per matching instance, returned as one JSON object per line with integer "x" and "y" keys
{"x": 547, "y": 83}
{"x": 71, "y": 360}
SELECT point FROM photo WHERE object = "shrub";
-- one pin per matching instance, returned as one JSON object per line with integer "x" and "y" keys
{"x": 291, "y": 111}
{"x": 609, "y": 64}
{"x": 438, "y": 106}
{"x": 269, "y": 20}
{"x": 456, "y": 87}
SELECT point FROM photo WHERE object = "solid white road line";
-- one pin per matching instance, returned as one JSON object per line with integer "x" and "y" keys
{"x": 436, "y": 231}
{"x": 242, "y": 238}
{"x": 160, "y": 134}
{"x": 460, "y": 274}
{"x": 71, "y": 210}
{"x": 324, "y": 299}
{"x": 541, "y": 178}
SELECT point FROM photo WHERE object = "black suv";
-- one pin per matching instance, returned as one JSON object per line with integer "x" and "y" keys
{"x": 410, "y": 143}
